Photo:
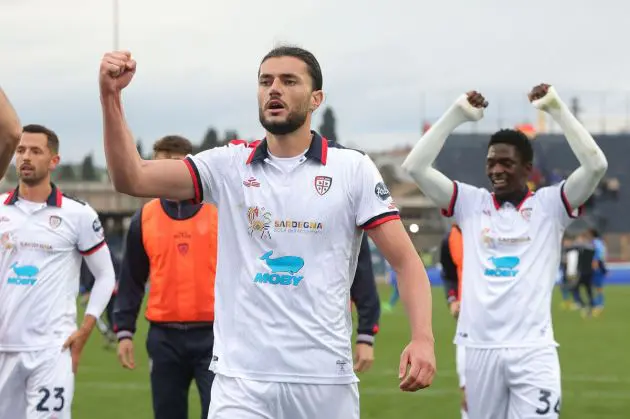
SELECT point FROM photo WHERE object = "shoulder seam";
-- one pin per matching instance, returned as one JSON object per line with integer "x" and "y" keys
{"x": 335, "y": 145}
{"x": 74, "y": 198}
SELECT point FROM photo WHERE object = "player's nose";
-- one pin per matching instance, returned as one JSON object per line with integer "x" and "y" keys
{"x": 275, "y": 88}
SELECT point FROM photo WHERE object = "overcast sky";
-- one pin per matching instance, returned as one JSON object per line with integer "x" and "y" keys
{"x": 197, "y": 61}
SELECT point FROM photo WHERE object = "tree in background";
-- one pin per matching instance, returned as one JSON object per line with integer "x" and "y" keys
{"x": 210, "y": 140}
{"x": 229, "y": 136}
{"x": 65, "y": 173}
{"x": 328, "y": 126}
{"x": 140, "y": 148}
{"x": 88, "y": 171}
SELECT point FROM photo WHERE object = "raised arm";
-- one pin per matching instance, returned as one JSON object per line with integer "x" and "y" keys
{"x": 419, "y": 163}
{"x": 131, "y": 174}
{"x": 10, "y": 132}
{"x": 581, "y": 184}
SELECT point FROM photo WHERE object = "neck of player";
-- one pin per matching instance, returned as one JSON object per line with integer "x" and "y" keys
{"x": 292, "y": 144}
{"x": 35, "y": 193}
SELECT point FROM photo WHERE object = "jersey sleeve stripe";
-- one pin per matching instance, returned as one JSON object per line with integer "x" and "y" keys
{"x": 380, "y": 219}
{"x": 448, "y": 212}
{"x": 567, "y": 205}
{"x": 194, "y": 174}
{"x": 92, "y": 249}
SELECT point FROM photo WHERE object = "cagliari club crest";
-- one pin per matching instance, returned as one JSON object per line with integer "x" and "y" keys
{"x": 526, "y": 213}
{"x": 322, "y": 184}
{"x": 54, "y": 221}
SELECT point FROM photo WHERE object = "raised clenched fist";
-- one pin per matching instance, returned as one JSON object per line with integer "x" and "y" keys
{"x": 117, "y": 70}
{"x": 471, "y": 105}
{"x": 476, "y": 99}
{"x": 545, "y": 98}
{"x": 538, "y": 92}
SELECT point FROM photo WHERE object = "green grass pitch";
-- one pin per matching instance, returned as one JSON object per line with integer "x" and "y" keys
{"x": 594, "y": 356}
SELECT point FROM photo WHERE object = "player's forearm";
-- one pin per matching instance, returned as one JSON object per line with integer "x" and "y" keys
{"x": 89, "y": 321}
{"x": 123, "y": 160}
{"x": 10, "y": 132}
{"x": 419, "y": 162}
{"x": 415, "y": 294}
{"x": 593, "y": 163}
{"x": 127, "y": 307}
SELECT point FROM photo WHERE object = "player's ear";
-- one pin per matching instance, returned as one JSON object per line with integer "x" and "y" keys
{"x": 317, "y": 97}
{"x": 54, "y": 162}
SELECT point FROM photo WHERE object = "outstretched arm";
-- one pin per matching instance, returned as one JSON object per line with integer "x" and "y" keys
{"x": 581, "y": 184}
{"x": 131, "y": 174}
{"x": 10, "y": 132}
{"x": 418, "y": 164}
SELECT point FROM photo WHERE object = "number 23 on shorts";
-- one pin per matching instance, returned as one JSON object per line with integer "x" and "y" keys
{"x": 56, "y": 404}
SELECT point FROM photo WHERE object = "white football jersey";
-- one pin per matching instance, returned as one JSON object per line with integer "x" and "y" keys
{"x": 289, "y": 238}
{"x": 511, "y": 259}
{"x": 41, "y": 247}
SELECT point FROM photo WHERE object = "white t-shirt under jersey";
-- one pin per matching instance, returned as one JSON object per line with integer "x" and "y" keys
{"x": 41, "y": 248}
{"x": 511, "y": 259}
{"x": 289, "y": 237}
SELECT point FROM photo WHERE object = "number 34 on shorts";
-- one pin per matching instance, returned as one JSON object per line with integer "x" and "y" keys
{"x": 546, "y": 403}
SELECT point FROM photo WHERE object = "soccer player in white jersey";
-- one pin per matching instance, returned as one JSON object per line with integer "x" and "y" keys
{"x": 512, "y": 240}
{"x": 291, "y": 212}
{"x": 44, "y": 235}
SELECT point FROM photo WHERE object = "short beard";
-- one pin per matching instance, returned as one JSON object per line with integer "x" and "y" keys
{"x": 292, "y": 123}
{"x": 32, "y": 181}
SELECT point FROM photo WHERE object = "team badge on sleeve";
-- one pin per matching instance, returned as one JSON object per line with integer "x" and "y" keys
{"x": 97, "y": 227}
{"x": 381, "y": 191}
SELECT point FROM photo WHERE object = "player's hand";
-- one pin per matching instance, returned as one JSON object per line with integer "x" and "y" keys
{"x": 419, "y": 358}
{"x": 454, "y": 307}
{"x": 544, "y": 97}
{"x": 117, "y": 70}
{"x": 464, "y": 402}
{"x": 76, "y": 342}
{"x": 125, "y": 354}
{"x": 363, "y": 357}
{"x": 472, "y": 105}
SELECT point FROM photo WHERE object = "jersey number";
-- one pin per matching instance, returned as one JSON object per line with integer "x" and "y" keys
{"x": 58, "y": 395}
{"x": 545, "y": 398}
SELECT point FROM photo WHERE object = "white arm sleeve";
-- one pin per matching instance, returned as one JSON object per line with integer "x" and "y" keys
{"x": 418, "y": 163}
{"x": 572, "y": 263}
{"x": 593, "y": 164}
{"x": 101, "y": 266}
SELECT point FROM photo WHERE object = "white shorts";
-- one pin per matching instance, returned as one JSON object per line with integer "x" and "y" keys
{"x": 518, "y": 383}
{"x": 237, "y": 398}
{"x": 36, "y": 385}
{"x": 460, "y": 364}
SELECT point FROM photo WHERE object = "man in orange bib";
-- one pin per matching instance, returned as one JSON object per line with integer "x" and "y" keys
{"x": 174, "y": 245}
{"x": 452, "y": 260}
